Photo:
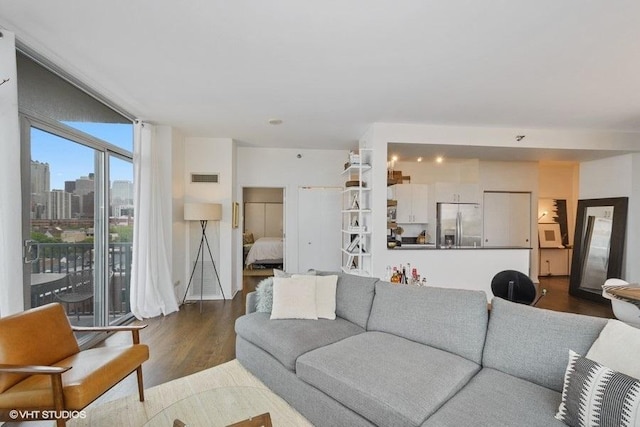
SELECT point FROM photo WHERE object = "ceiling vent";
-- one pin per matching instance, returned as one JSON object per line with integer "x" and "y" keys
{"x": 209, "y": 178}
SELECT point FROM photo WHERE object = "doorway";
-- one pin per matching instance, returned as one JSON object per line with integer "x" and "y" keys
{"x": 263, "y": 236}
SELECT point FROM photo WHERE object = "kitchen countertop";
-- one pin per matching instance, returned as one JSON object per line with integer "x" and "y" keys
{"x": 414, "y": 246}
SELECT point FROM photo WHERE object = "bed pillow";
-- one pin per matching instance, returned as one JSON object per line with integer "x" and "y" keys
{"x": 606, "y": 350}
{"x": 294, "y": 298}
{"x": 264, "y": 295}
{"x": 325, "y": 296}
{"x": 594, "y": 395}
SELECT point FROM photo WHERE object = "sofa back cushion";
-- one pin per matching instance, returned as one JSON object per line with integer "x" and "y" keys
{"x": 533, "y": 344}
{"x": 40, "y": 336}
{"x": 354, "y": 295}
{"x": 453, "y": 320}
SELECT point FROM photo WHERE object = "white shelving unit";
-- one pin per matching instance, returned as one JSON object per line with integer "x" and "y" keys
{"x": 356, "y": 218}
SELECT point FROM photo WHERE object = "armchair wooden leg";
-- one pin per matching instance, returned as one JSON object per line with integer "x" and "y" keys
{"x": 140, "y": 385}
{"x": 58, "y": 399}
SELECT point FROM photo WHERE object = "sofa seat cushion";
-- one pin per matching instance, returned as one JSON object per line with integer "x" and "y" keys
{"x": 495, "y": 399}
{"x": 389, "y": 380}
{"x": 92, "y": 372}
{"x": 287, "y": 339}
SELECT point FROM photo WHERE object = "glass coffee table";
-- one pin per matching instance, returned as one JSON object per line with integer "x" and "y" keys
{"x": 223, "y": 406}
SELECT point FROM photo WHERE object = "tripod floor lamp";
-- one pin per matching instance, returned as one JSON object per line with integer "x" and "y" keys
{"x": 203, "y": 212}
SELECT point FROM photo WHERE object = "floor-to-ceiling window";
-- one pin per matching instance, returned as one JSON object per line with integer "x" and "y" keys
{"x": 77, "y": 185}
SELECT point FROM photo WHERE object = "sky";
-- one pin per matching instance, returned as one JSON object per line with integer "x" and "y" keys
{"x": 69, "y": 161}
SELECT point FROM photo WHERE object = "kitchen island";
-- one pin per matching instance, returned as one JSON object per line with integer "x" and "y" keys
{"x": 457, "y": 267}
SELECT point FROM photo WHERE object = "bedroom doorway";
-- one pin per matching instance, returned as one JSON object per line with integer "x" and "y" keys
{"x": 262, "y": 230}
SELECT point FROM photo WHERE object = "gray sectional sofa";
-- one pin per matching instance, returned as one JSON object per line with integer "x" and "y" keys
{"x": 399, "y": 355}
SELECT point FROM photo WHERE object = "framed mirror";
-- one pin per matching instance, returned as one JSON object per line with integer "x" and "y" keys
{"x": 598, "y": 245}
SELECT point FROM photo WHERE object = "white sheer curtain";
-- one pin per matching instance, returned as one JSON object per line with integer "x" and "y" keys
{"x": 11, "y": 300}
{"x": 151, "y": 288}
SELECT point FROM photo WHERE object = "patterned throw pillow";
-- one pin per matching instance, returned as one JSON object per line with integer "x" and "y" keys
{"x": 594, "y": 395}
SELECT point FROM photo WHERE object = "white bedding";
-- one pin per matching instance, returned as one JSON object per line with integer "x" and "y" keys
{"x": 266, "y": 249}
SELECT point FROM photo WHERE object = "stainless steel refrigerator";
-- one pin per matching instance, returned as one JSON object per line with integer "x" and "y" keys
{"x": 459, "y": 225}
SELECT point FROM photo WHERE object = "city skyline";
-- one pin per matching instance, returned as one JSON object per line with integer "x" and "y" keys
{"x": 69, "y": 161}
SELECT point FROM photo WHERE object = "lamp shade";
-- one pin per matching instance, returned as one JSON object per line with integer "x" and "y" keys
{"x": 202, "y": 211}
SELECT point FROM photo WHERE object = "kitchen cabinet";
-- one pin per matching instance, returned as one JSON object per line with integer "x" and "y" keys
{"x": 412, "y": 201}
{"x": 455, "y": 192}
{"x": 507, "y": 219}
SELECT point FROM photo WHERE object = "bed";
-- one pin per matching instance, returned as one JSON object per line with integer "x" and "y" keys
{"x": 265, "y": 251}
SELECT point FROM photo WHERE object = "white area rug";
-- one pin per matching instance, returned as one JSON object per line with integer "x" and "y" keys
{"x": 196, "y": 401}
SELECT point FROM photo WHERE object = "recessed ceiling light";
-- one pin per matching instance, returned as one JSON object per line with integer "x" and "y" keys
{"x": 275, "y": 122}
{"x": 439, "y": 159}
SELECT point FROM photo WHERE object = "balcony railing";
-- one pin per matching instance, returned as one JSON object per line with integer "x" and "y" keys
{"x": 64, "y": 272}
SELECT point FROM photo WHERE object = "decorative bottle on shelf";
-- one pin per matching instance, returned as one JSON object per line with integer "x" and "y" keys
{"x": 395, "y": 277}
{"x": 387, "y": 274}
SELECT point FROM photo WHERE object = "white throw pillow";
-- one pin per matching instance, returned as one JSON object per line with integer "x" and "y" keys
{"x": 618, "y": 347}
{"x": 282, "y": 273}
{"x": 294, "y": 298}
{"x": 325, "y": 295}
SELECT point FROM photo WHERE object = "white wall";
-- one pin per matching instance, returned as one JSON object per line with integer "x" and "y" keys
{"x": 11, "y": 278}
{"x": 617, "y": 177}
{"x": 211, "y": 155}
{"x": 429, "y": 172}
{"x": 277, "y": 167}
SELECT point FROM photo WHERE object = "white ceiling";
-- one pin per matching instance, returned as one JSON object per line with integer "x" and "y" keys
{"x": 330, "y": 68}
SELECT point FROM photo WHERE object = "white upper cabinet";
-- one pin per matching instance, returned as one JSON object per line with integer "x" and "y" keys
{"x": 412, "y": 200}
{"x": 454, "y": 192}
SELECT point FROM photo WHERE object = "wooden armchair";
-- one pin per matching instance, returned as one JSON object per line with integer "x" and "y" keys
{"x": 43, "y": 373}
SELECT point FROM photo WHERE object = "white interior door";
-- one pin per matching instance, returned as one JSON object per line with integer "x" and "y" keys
{"x": 319, "y": 228}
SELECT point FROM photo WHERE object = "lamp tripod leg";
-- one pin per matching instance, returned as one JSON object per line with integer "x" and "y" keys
{"x": 195, "y": 265}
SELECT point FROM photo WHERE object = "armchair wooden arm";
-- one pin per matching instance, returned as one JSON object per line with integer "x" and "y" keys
{"x": 56, "y": 379}
{"x": 33, "y": 369}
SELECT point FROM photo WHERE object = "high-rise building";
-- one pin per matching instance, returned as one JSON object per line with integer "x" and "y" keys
{"x": 40, "y": 177}
{"x": 122, "y": 192}
{"x": 58, "y": 205}
{"x": 87, "y": 203}
{"x": 85, "y": 185}
{"x": 40, "y": 186}
{"x": 70, "y": 186}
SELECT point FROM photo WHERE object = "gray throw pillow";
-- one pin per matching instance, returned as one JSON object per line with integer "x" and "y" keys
{"x": 264, "y": 295}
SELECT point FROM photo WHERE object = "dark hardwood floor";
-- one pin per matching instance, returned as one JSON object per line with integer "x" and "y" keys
{"x": 189, "y": 341}
{"x": 558, "y": 299}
